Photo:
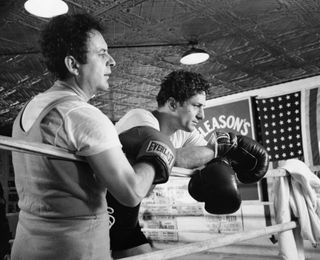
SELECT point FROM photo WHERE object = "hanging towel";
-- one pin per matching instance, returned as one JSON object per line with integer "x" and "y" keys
{"x": 305, "y": 198}
{"x": 288, "y": 248}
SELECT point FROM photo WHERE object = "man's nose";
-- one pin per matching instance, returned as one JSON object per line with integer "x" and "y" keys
{"x": 200, "y": 115}
{"x": 111, "y": 62}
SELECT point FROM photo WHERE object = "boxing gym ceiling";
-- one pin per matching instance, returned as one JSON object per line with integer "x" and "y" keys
{"x": 252, "y": 44}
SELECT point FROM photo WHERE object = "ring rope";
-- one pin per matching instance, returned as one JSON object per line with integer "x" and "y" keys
{"x": 212, "y": 243}
{"x": 16, "y": 145}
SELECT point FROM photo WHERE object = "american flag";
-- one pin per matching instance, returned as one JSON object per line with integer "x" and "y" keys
{"x": 280, "y": 120}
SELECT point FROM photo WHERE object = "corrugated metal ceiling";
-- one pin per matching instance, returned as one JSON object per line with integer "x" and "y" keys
{"x": 252, "y": 43}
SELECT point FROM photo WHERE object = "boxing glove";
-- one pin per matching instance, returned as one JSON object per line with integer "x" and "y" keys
{"x": 222, "y": 143}
{"x": 216, "y": 186}
{"x": 250, "y": 160}
{"x": 144, "y": 143}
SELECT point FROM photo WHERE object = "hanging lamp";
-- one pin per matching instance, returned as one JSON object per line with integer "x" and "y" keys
{"x": 194, "y": 56}
{"x": 46, "y": 8}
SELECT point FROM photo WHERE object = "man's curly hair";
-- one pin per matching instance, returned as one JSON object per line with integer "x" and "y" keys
{"x": 66, "y": 35}
{"x": 181, "y": 85}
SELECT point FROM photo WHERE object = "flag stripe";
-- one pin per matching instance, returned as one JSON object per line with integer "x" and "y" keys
{"x": 313, "y": 97}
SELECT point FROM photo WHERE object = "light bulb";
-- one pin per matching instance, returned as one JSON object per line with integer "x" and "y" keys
{"x": 46, "y": 8}
{"x": 194, "y": 56}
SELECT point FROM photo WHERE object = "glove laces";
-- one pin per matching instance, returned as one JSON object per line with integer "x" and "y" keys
{"x": 112, "y": 219}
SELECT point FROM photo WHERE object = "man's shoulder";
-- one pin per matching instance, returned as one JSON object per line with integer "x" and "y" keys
{"x": 138, "y": 112}
{"x": 137, "y": 117}
{"x": 181, "y": 134}
{"x": 183, "y": 138}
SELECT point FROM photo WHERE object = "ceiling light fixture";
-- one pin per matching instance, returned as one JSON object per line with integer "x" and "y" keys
{"x": 46, "y": 8}
{"x": 194, "y": 56}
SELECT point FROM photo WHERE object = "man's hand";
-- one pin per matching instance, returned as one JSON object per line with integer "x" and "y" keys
{"x": 146, "y": 144}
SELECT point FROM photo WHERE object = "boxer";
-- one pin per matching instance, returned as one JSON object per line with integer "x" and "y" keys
{"x": 181, "y": 101}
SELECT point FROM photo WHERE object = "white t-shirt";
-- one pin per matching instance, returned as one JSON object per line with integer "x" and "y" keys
{"x": 139, "y": 117}
{"x": 75, "y": 125}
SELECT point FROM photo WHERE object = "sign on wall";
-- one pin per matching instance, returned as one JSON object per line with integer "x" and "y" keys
{"x": 234, "y": 117}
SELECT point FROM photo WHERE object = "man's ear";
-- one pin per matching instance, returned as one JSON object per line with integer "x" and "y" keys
{"x": 172, "y": 103}
{"x": 72, "y": 65}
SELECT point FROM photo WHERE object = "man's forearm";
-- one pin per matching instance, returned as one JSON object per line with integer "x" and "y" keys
{"x": 144, "y": 177}
{"x": 193, "y": 156}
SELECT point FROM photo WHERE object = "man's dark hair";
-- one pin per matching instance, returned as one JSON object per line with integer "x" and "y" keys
{"x": 181, "y": 85}
{"x": 66, "y": 35}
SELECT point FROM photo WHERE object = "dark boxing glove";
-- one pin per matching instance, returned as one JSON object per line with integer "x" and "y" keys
{"x": 250, "y": 160}
{"x": 144, "y": 143}
{"x": 216, "y": 186}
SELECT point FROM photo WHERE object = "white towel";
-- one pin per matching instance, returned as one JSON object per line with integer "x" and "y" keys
{"x": 288, "y": 248}
{"x": 305, "y": 198}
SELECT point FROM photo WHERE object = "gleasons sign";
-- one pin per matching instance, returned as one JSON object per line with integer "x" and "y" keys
{"x": 231, "y": 122}
{"x": 232, "y": 117}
